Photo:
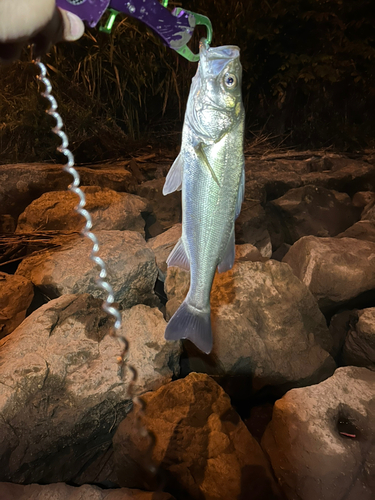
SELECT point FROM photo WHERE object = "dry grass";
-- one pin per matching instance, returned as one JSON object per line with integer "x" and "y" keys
{"x": 15, "y": 247}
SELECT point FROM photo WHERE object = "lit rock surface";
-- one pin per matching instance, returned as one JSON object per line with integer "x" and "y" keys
{"x": 131, "y": 266}
{"x": 262, "y": 317}
{"x": 202, "y": 445}
{"x": 109, "y": 211}
{"x": 61, "y": 491}
{"x": 16, "y": 294}
{"x": 361, "y": 199}
{"x": 23, "y": 182}
{"x": 312, "y": 210}
{"x": 335, "y": 269}
{"x": 61, "y": 394}
{"x": 321, "y": 440}
{"x": 361, "y": 230}
{"x": 359, "y": 347}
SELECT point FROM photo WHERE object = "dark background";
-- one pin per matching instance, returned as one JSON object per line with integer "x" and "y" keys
{"x": 309, "y": 82}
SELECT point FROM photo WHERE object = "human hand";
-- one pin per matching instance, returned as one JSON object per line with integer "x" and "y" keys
{"x": 37, "y": 22}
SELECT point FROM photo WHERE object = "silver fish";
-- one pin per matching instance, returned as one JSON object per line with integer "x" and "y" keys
{"x": 210, "y": 172}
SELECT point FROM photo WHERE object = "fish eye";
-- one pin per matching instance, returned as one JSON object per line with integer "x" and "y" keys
{"x": 230, "y": 80}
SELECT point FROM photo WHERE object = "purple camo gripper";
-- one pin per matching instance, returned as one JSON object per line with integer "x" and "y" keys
{"x": 174, "y": 30}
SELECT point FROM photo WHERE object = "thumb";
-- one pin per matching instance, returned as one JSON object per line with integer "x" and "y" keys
{"x": 73, "y": 26}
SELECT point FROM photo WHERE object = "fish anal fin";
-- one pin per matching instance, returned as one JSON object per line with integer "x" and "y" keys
{"x": 192, "y": 324}
{"x": 173, "y": 181}
{"x": 178, "y": 257}
{"x": 229, "y": 255}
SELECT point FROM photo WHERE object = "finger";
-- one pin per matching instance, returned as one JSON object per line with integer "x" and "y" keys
{"x": 62, "y": 26}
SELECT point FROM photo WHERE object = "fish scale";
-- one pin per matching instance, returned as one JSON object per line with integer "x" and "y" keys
{"x": 210, "y": 172}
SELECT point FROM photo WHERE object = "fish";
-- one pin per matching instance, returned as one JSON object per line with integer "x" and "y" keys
{"x": 210, "y": 172}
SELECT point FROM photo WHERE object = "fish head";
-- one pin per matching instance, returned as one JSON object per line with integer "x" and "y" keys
{"x": 216, "y": 93}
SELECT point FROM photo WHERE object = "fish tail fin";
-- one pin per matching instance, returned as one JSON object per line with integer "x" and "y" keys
{"x": 192, "y": 324}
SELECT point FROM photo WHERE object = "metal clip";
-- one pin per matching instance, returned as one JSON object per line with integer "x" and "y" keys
{"x": 200, "y": 21}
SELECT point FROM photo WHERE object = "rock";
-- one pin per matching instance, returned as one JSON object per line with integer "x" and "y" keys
{"x": 251, "y": 227}
{"x": 277, "y": 175}
{"x": 109, "y": 211}
{"x": 359, "y": 347}
{"x": 16, "y": 294}
{"x": 339, "y": 327}
{"x": 22, "y": 183}
{"x": 62, "y": 395}
{"x": 7, "y": 224}
{"x": 335, "y": 269}
{"x": 321, "y": 438}
{"x": 152, "y": 353}
{"x": 162, "y": 245}
{"x": 262, "y": 317}
{"x": 369, "y": 212}
{"x": 361, "y": 230}
{"x": 130, "y": 264}
{"x": 363, "y": 198}
{"x": 249, "y": 253}
{"x": 317, "y": 211}
{"x": 61, "y": 491}
{"x": 201, "y": 444}
{"x": 166, "y": 209}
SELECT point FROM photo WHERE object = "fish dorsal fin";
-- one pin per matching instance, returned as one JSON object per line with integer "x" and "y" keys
{"x": 173, "y": 182}
{"x": 204, "y": 160}
{"x": 229, "y": 255}
{"x": 178, "y": 257}
{"x": 241, "y": 193}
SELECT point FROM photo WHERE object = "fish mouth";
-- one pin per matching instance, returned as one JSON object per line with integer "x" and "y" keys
{"x": 214, "y": 60}
{"x": 222, "y": 52}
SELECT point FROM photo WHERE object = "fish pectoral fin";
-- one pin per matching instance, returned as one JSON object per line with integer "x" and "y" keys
{"x": 229, "y": 255}
{"x": 241, "y": 193}
{"x": 173, "y": 182}
{"x": 178, "y": 257}
{"x": 204, "y": 160}
{"x": 189, "y": 323}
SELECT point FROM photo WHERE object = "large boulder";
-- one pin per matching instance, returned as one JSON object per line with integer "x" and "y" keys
{"x": 336, "y": 270}
{"x": 109, "y": 210}
{"x": 263, "y": 317}
{"x": 62, "y": 392}
{"x": 321, "y": 438}
{"x": 16, "y": 294}
{"x": 203, "y": 448}
{"x": 131, "y": 266}
{"x": 312, "y": 210}
{"x": 61, "y": 491}
{"x": 24, "y": 182}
